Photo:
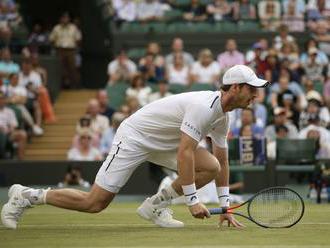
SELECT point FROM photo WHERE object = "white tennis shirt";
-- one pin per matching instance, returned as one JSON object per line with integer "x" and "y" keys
{"x": 199, "y": 114}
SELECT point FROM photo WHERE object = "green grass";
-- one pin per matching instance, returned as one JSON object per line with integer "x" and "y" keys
{"x": 119, "y": 226}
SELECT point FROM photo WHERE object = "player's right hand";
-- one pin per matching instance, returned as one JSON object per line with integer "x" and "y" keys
{"x": 199, "y": 211}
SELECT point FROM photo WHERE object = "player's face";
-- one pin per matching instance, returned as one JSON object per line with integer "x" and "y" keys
{"x": 247, "y": 95}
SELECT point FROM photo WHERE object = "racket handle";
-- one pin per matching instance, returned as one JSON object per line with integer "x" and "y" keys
{"x": 217, "y": 210}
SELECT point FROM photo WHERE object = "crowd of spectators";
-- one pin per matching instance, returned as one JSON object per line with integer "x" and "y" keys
{"x": 296, "y": 14}
{"x": 295, "y": 106}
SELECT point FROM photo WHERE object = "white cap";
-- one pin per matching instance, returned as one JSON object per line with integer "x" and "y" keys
{"x": 239, "y": 74}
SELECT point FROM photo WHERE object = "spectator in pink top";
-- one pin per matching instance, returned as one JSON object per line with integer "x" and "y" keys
{"x": 231, "y": 56}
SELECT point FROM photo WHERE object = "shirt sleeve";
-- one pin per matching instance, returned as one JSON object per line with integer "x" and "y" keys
{"x": 196, "y": 121}
{"x": 220, "y": 132}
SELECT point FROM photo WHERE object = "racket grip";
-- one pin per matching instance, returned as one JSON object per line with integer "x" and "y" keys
{"x": 217, "y": 210}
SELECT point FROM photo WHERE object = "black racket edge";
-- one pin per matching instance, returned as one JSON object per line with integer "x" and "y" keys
{"x": 224, "y": 210}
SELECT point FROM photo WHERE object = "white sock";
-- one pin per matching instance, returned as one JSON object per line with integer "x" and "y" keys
{"x": 164, "y": 195}
{"x": 35, "y": 196}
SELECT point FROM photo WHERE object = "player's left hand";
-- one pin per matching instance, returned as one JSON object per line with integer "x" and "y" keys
{"x": 231, "y": 220}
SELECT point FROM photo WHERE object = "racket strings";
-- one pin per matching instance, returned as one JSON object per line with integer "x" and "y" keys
{"x": 277, "y": 207}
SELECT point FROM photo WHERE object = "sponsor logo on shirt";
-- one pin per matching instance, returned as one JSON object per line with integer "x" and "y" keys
{"x": 194, "y": 129}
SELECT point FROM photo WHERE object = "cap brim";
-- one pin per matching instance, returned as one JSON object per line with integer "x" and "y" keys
{"x": 258, "y": 83}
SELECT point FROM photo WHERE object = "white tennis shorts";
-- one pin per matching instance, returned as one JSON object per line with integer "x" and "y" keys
{"x": 125, "y": 156}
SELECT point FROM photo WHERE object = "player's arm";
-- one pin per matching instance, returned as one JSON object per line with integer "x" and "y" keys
{"x": 186, "y": 171}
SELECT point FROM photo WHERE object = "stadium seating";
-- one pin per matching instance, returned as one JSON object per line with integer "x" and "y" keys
{"x": 295, "y": 151}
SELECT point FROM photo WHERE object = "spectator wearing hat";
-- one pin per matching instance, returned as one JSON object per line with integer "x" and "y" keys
{"x": 321, "y": 57}
{"x": 315, "y": 107}
{"x": 313, "y": 69}
{"x": 280, "y": 118}
{"x": 315, "y": 130}
{"x": 255, "y": 57}
{"x": 85, "y": 151}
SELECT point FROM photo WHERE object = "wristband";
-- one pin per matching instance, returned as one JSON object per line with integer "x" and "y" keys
{"x": 223, "y": 195}
{"x": 190, "y": 194}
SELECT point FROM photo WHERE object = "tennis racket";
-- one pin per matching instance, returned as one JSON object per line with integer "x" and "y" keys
{"x": 276, "y": 207}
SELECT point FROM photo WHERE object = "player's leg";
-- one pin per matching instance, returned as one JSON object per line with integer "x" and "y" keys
{"x": 155, "y": 208}
{"x": 91, "y": 202}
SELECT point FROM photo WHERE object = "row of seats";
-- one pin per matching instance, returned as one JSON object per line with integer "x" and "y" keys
{"x": 117, "y": 92}
{"x": 162, "y": 27}
{"x": 288, "y": 151}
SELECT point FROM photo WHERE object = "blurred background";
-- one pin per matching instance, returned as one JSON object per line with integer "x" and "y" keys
{"x": 72, "y": 71}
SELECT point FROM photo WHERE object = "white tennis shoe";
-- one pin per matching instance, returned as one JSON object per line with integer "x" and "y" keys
{"x": 14, "y": 208}
{"x": 158, "y": 214}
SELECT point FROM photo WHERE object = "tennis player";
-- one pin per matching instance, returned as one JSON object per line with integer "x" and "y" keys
{"x": 165, "y": 132}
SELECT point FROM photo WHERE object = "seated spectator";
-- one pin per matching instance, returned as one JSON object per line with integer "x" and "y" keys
{"x": 244, "y": 10}
{"x": 248, "y": 120}
{"x": 270, "y": 68}
{"x": 294, "y": 15}
{"x": 314, "y": 12}
{"x": 255, "y": 58}
{"x": 85, "y": 151}
{"x": 269, "y": 12}
{"x": 125, "y": 10}
{"x": 154, "y": 49}
{"x": 99, "y": 123}
{"x": 121, "y": 69}
{"x": 314, "y": 107}
{"x": 139, "y": 90}
{"x": 284, "y": 87}
{"x": 280, "y": 119}
{"x": 283, "y": 37}
{"x": 73, "y": 177}
{"x": 84, "y": 123}
{"x": 161, "y": 93}
{"x": 322, "y": 36}
{"x": 17, "y": 95}
{"x": 218, "y": 10}
{"x": 326, "y": 89}
{"x": 321, "y": 57}
{"x": 9, "y": 127}
{"x": 260, "y": 116}
{"x": 289, "y": 52}
{"x": 281, "y": 133}
{"x": 105, "y": 108}
{"x": 38, "y": 40}
{"x": 195, "y": 12}
{"x": 205, "y": 70}
{"x": 150, "y": 10}
{"x": 32, "y": 81}
{"x": 177, "y": 47}
{"x": 230, "y": 57}
{"x": 312, "y": 69}
{"x": 321, "y": 134}
{"x": 322, "y": 147}
{"x": 178, "y": 72}
{"x": 150, "y": 71}
{"x": 109, "y": 134}
{"x": 7, "y": 65}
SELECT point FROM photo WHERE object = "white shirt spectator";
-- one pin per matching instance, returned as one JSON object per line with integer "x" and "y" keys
{"x": 8, "y": 120}
{"x": 11, "y": 91}
{"x": 178, "y": 76}
{"x": 125, "y": 9}
{"x": 324, "y": 133}
{"x": 99, "y": 124}
{"x": 76, "y": 155}
{"x": 156, "y": 96}
{"x": 65, "y": 36}
{"x": 151, "y": 9}
{"x": 206, "y": 74}
{"x": 141, "y": 94}
{"x": 33, "y": 77}
{"x": 114, "y": 66}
